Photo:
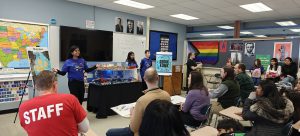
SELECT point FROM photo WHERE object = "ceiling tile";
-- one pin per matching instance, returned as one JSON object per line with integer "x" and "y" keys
{"x": 216, "y": 3}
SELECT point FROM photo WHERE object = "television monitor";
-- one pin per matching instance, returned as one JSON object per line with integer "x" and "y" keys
{"x": 94, "y": 45}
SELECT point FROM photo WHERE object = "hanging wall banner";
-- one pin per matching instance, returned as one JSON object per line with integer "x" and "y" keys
{"x": 282, "y": 50}
{"x": 164, "y": 63}
{"x": 206, "y": 52}
{"x": 223, "y": 46}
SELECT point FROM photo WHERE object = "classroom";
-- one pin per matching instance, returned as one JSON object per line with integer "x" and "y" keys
{"x": 150, "y": 67}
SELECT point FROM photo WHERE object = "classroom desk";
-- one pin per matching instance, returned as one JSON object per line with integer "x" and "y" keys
{"x": 230, "y": 112}
{"x": 89, "y": 133}
{"x": 102, "y": 98}
{"x": 205, "y": 131}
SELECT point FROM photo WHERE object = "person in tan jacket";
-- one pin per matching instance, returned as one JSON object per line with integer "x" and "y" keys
{"x": 152, "y": 93}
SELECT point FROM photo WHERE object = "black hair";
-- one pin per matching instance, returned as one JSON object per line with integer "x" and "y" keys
{"x": 162, "y": 118}
{"x": 197, "y": 82}
{"x": 129, "y": 58}
{"x": 271, "y": 92}
{"x": 228, "y": 124}
{"x": 276, "y": 64}
{"x": 289, "y": 58}
{"x": 242, "y": 66}
{"x": 230, "y": 73}
{"x": 73, "y": 48}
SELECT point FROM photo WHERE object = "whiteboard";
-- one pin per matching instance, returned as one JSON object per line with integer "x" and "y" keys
{"x": 124, "y": 43}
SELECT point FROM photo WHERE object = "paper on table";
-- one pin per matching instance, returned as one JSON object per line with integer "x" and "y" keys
{"x": 123, "y": 109}
{"x": 176, "y": 99}
{"x": 205, "y": 131}
{"x": 231, "y": 112}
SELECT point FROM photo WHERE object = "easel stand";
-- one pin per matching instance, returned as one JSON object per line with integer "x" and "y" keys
{"x": 24, "y": 90}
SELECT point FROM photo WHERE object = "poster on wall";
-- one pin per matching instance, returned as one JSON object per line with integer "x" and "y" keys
{"x": 155, "y": 43}
{"x": 118, "y": 24}
{"x": 223, "y": 46}
{"x": 164, "y": 63}
{"x": 14, "y": 38}
{"x": 249, "y": 49}
{"x": 39, "y": 60}
{"x": 282, "y": 50}
{"x": 236, "y": 46}
{"x": 130, "y": 26}
{"x": 264, "y": 59}
{"x": 164, "y": 43}
{"x": 236, "y": 57}
{"x": 207, "y": 52}
{"x": 140, "y": 28}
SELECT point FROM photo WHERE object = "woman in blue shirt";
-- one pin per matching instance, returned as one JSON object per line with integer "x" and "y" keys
{"x": 75, "y": 66}
{"x": 131, "y": 61}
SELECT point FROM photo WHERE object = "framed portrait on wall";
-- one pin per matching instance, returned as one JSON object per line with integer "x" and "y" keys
{"x": 140, "y": 28}
{"x": 130, "y": 26}
{"x": 118, "y": 24}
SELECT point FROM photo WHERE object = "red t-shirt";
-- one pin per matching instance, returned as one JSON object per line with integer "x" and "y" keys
{"x": 52, "y": 115}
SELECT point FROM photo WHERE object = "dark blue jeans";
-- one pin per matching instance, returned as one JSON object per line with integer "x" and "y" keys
{"x": 119, "y": 132}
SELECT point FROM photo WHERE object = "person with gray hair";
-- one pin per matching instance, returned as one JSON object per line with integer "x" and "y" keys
{"x": 152, "y": 93}
{"x": 44, "y": 114}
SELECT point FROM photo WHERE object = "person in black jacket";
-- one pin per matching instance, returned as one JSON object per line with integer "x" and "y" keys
{"x": 289, "y": 70}
{"x": 268, "y": 110}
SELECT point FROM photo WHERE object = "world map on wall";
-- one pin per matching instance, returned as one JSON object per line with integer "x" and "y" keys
{"x": 15, "y": 38}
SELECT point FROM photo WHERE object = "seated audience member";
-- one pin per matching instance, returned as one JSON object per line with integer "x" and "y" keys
{"x": 196, "y": 101}
{"x": 289, "y": 70}
{"x": 294, "y": 96}
{"x": 256, "y": 71}
{"x": 229, "y": 127}
{"x": 227, "y": 93}
{"x": 297, "y": 86}
{"x": 162, "y": 118}
{"x": 268, "y": 110}
{"x": 52, "y": 114}
{"x": 244, "y": 80}
{"x": 273, "y": 71}
{"x": 153, "y": 92}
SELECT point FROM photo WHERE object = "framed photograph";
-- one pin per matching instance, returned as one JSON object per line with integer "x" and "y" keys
{"x": 130, "y": 26}
{"x": 118, "y": 24}
{"x": 249, "y": 49}
{"x": 140, "y": 28}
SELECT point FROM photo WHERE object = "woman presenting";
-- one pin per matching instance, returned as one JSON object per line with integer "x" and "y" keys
{"x": 75, "y": 66}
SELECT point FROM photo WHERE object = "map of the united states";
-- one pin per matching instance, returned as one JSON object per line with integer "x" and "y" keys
{"x": 15, "y": 37}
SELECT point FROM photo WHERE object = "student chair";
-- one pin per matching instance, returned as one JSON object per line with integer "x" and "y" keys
{"x": 287, "y": 129}
{"x": 214, "y": 80}
{"x": 204, "y": 111}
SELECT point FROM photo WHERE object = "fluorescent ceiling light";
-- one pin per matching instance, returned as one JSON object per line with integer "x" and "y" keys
{"x": 183, "y": 16}
{"x": 295, "y": 30}
{"x": 286, "y": 23}
{"x": 246, "y": 32}
{"x": 226, "y": 27}
{"x": 212, "y": 34}
{"x": 134, "y": 4}
{"x": 260, "y": 36}
{"x": 256, "y": 7}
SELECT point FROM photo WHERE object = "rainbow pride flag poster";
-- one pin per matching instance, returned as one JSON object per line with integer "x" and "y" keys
{"x": 207, "y": 52}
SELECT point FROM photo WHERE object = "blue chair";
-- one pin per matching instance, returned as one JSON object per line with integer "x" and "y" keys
{"x": 204, "y": 111}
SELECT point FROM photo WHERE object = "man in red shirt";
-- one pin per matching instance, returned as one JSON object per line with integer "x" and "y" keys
{"x": 52, "y": 114}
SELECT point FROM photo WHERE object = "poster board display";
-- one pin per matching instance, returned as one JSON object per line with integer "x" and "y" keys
{"x": 282, "y": 50}
{"x": 164, "y": 63}
{"x": 39, "y": 60}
